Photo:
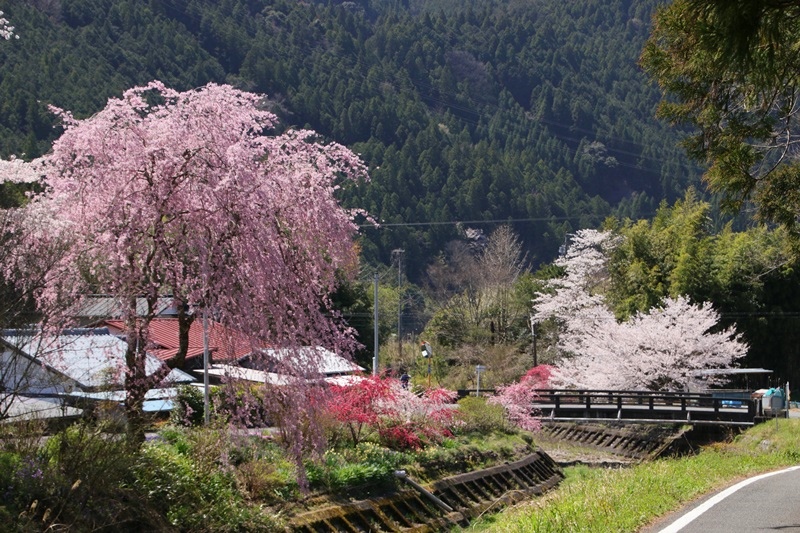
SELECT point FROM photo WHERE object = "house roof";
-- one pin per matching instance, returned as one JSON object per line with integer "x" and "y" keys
{"x": 271, "y": 378}
{"x": 224, "y": 343}
{"x": 329, "y": 363}
{"x": 101, "y": 306}
{"x": 24, "y": 408}
{"x": 344, "y": 381}
{"x": 248, "y": 374}
{"x": 155, "y": 400}
{"x": 92, "y": 358}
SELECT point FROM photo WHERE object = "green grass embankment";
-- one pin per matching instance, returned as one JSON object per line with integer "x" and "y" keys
{"x": 628, "y": 499}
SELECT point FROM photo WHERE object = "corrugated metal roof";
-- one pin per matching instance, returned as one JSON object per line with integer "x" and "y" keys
{"x": 89, "y": 358}
{"x": 327, "y": 362}
{"x": 100, "y": 306}
{"x": 168, "y": 393}
{"x": 24, "y": 408}
{"x": 248, "y": 374}
{"x": 344, "y": 381}
{"x": 271, "y": 378}
{"x": 155, "y": 401}
{"x": 224, "y": 343}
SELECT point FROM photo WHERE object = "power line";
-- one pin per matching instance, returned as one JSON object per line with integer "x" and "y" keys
{"x": 490, "y": 221}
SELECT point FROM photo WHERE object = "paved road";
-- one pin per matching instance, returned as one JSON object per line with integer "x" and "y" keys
{"x": 770, "y": 502}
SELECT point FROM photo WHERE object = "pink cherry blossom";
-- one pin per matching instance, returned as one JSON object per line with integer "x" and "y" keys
{"x": 184, "y": 193}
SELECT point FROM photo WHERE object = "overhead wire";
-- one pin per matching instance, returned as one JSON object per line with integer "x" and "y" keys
{"x": 483, "y": 113}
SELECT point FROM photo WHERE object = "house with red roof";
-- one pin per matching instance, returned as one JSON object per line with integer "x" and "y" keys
{"x": 224, "y": 344}
{"x": 233, "y": 356}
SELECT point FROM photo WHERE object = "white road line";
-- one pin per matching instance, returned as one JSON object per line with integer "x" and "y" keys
{"x": 694, "y": 513}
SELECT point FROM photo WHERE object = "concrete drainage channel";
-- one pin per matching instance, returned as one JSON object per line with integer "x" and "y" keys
{"x": 439, "y": 505}
{"x": 461, "y": 498}
{"x": 621, "y": 444}
{"x": 638, "y": 443}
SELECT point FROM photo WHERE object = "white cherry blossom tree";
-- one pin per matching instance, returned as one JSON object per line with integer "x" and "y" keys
{"x": 6, "y": 29}
{"x": 659, "y": 350}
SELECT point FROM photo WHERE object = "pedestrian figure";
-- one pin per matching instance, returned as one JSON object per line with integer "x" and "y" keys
{"x": 404, "y": 380}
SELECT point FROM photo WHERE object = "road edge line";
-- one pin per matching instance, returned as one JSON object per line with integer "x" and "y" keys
{"x": 699, "y": 510}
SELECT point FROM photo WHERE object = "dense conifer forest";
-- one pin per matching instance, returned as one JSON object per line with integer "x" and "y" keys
{"x": 478, "y": 112}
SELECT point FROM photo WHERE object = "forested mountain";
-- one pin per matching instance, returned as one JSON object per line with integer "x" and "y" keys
{"x": 479, "y": 111}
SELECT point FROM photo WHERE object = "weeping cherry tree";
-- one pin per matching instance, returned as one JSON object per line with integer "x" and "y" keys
{"x": 184, "y": 194}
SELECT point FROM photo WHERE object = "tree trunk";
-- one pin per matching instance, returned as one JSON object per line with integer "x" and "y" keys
{"x": 136, "y": 385}
{"x": 185, "y": 320}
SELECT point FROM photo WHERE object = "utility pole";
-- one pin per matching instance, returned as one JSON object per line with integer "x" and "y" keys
{"x": 398, "y": 253}
{"x": 533, "y": 335}
{"x": 375, "y": 327}
{"x": 206, "y": 403}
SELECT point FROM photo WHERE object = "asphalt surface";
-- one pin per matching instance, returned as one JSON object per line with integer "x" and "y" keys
{"x": 761, "y": 503}
{"x": 769, "y": 502}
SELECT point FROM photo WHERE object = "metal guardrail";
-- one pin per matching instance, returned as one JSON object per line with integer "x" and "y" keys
{"x": 646, "y": 406}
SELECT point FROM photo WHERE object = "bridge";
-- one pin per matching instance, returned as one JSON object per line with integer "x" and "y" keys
{"x": 648, "y": 407}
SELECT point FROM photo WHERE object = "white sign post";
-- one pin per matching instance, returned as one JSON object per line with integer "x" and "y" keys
{"x": 478, "y": 370}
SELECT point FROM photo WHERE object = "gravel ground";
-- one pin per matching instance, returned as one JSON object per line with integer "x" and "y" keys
{"x": 569, "y": 454}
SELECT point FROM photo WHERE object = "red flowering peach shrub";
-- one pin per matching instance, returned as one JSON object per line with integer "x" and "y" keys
{"x": 399, "y": 418}
{"x": 361, "y": 405}
{"x": 517, "y": 399}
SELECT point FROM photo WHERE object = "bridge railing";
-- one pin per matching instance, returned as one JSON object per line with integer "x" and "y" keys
{"x": 644, "y": 404}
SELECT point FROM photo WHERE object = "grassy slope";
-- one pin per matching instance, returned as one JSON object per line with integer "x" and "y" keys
{"x": 628, "y": 499}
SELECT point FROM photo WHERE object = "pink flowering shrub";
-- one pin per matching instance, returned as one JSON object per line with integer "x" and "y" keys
{"x": 517, "y": 398}
{"x": 430, "y": 416}
{"x": 399, "y": 418}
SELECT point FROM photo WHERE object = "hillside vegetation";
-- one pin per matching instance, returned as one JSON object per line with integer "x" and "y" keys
{"x": 531, "y": 112}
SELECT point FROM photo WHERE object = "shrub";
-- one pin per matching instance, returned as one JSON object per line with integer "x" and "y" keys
{"x": 476, "y": 415}
{"x": 210, "y": 448}
{"x": 362, "y": 404}
{"x": 400, "y": 436}
{"x": 78, "y": 480}
{"x": 189, "y": 406}
{"x": 193, "y": 499}
{"x": 269, "y": 480}
{"x": 262, "y": 470}
{"x": 402, "y": 420}
{"x": 368, "y": 452}
{"x": 517, "y": 398}
{"x": 177, "y": 437}
{"x": 9, "y": 463}
{"x": 366, "y": 464}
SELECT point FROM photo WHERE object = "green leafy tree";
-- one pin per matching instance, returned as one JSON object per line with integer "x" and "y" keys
{"x": 730, "y": 70}
{"x": 668, "y": 256}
